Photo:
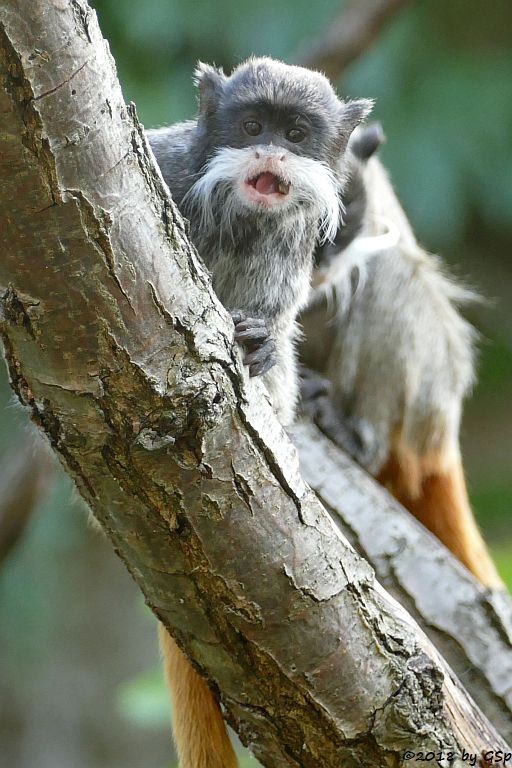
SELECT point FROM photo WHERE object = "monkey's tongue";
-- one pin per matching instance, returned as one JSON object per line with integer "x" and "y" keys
{"x": 268, "y": 184}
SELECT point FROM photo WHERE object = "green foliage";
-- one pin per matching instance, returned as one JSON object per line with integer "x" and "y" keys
{"x": 504, "y": 562}
{"x": 144, "y": 700}
{"x": 158, "y": 43}
{"x": 495, "y": 363}
{"x": 492, "y": 503}
{"x": 441, "y": 82}
{"x": 448, "y": 119}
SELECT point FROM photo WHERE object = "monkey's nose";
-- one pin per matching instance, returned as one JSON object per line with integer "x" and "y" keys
{"x": 280, "y": 158}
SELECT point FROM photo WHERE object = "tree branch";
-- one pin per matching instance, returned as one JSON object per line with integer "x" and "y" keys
{"x": 350, "y": 35}
{"x": 116, "y": 342}
{"x": 470, "y": 625}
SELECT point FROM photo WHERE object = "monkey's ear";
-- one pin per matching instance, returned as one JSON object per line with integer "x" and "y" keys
{"x": 352, "y": 113}
{"x": 210, "y": 82}
{"x": 367, "y": 140}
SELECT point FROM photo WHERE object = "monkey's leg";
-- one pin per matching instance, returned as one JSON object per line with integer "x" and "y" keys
{"x": 439, "y": 500}
{"x": 198, "y": 726}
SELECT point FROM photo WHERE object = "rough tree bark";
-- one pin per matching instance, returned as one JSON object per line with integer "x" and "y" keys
{"x": 469, "y": 625}
{"x": 116, "y": 343}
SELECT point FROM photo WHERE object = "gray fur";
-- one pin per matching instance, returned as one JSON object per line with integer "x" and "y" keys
{"x": 363, "y": 144}
{"x": 260, "y": 260}
{"x": 398, "y": 354}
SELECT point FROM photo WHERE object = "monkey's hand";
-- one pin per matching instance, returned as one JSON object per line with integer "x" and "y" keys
{"x": 316, "y": 402}
{"x": 253, "y": 335}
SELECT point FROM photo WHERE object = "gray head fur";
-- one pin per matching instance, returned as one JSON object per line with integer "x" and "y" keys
{"x": 278, "y": 87}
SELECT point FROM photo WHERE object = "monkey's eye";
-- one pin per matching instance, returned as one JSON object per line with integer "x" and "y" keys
{"x": 252, "y": 127}
{"x": 295, "y": 135}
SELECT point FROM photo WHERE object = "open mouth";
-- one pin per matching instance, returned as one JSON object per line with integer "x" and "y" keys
{"x": 268, "y": 185}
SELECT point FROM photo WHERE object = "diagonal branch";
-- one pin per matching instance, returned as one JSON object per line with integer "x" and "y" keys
{"x": 470, "y": 625}
{"x": 350, "y": 35}
{"x": 116, "y": 343}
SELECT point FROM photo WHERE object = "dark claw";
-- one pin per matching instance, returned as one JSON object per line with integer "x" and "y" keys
{"x": 250, "y": 322}
{"x": 258, "y": 369}
{"x": 244, "y": 335}
{"x": 317, "y": 404}
{"x": 260, "y": 354}
{"x": 338, "y": 429}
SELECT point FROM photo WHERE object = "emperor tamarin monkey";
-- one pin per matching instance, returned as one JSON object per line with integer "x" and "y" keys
{"x": 383, "y": 327}
{"x": 259, "y": 175}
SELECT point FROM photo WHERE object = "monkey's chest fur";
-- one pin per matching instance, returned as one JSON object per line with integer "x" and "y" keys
{"x": 262, "y": 265}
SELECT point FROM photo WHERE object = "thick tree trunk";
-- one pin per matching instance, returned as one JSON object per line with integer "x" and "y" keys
{"x": 116, "y": 343}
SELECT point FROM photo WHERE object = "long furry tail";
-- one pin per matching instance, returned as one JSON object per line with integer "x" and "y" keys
{"x": 439, "y": 500}
{"x": 198, "y": 726}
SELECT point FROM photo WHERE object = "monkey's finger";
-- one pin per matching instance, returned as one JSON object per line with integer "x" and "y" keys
{"x": 250, "y": 322}
{"x": 260, "y": 355}
{"x": 251, "y": 334}
{"x": 258, "y": 369}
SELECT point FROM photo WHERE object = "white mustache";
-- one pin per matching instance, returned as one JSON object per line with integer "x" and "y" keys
{"x": 312, "y": 184}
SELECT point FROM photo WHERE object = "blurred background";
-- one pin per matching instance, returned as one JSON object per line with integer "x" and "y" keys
{"x": 80, "y": 685}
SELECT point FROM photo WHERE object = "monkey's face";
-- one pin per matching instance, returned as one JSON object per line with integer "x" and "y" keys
{"x": 278, "y": 157}
{"x": 274, "y": 137}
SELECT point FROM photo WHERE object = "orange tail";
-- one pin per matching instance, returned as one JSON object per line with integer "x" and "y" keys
{"x": 198, "y": 726}
{"x": 439, "y": 500}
